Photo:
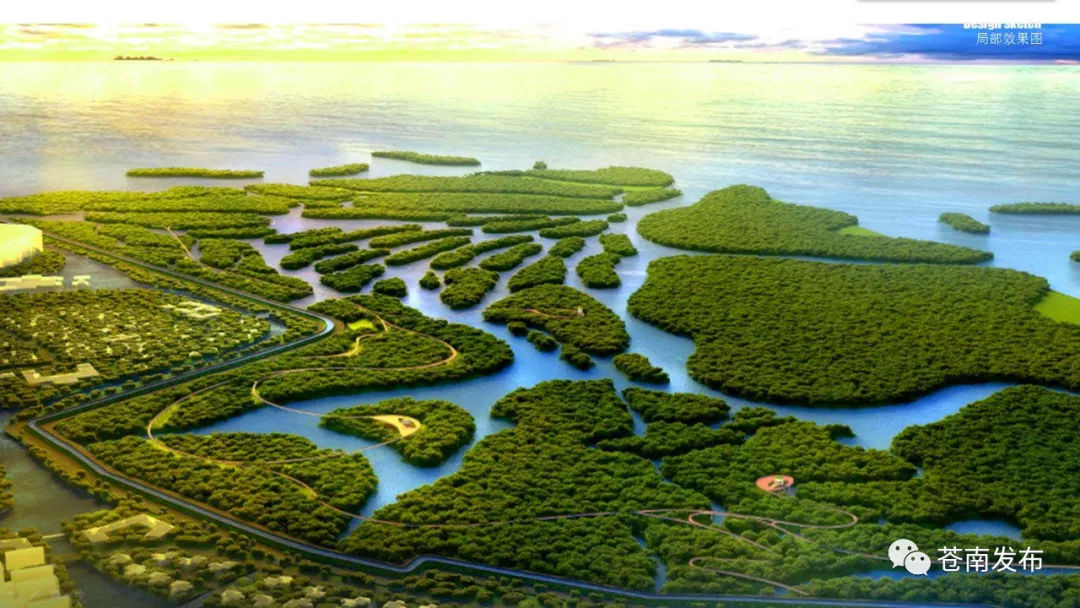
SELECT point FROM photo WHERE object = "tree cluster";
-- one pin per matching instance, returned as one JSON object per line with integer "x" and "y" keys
{"x": 818, "y": 333}
{"x": 511, "y": 258}
{"x": 638, "y": 367}
{"x": 424, "y": 159}
{"x": 598, "y": 271}
{"x": 571, "y": 316}
{"x": 548, "y": 269}
{"x": 585, "y": 228}
{"x": 444, "y": 427}
{"x": 426, "y": 250}
{"x": 465, "y": 287}
{"x": 964, "y": 223}
{"x": 193, "y": 172}
{"x": 745, "y": 219}
{"x": 464, "y": 255}
{"x": 542, "y": 466}
{"x": 339, "y": 170}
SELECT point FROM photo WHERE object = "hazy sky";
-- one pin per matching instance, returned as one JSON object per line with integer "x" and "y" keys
{"x": 589, "y": 38}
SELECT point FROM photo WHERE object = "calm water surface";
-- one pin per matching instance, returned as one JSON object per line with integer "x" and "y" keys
{"x": 895, "y": 145}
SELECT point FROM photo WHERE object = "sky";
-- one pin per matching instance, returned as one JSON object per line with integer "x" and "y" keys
{"x": 554, "y": 30}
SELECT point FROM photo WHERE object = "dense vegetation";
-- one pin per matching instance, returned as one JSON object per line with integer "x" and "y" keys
{"x": 354, "y": 212}
{"x": 541, "y": 341}
{"x": 180, "y": 220}
{"x": 478, "y": 353}
{"x": 616, "y": 217}
{"x": 229, "y": 203}
{"x": 1007, "y": 590}
{"x": 541, "y": 466}
{"x": 638, "y": 367}
{"x": 425, "y": 159}
{"x": 240, "y": 232}
{"x": 326, "y": 236}
{"x": 618, "y": 176}
{"x": 480, "y": 220}
{"x": 338, "y": 170}
{"x": 394, "y": 286}
{"x": 598, "y": 271}
{"x": 465, "y": 287}
{"x": 193, "y": 172}
{"x": 619, "y": 244}
{"x": 444, "y": 427}
{"x": 70, "y": 201}
{"x": 1037, "y": 208}
{"x": 1009, "y": 457}
{"x": 251, "y": 492}
{"x": 416, "y": 236}
{"x": 441, "y": 206}
{"x": 252, "y": 280}
{"x": 427, "y": 250}
{"x": 160, "y": 249}
{"x": 568, "y": 246}
{"x": 462, "y": 256}
{"x": 45, "y": 262}
{"x": 964, "y": 222}
{"x": 304, "y": 257}
{"x": 527, "y": 225}
{"x": 663, "y": 439}
{"x": 745, "y": 219}
{"x": 349, "y": 260}
{"x": 475, "y": 183}
{"x": 576, "y": 357}
{"x": 726, "y": 471}
{"x": 353, "y": 278}
{"x": 224, "y": 253}
{"x": 549, "y": 269}
{"x": 587, "y": 228}
{"x": 511, "y": 258}
{"x": 809, "y": 332}
{"x": 687, "y": 408}
{"x": 430, "y": 280}
{"x": 571, "y": 316}
{"x": 392, "y": 348}
{"x": 333, "y": 234}
{"x": 307, "y": 193}
{"x": 636, "y": 198}
{"x": 241, "y": 447}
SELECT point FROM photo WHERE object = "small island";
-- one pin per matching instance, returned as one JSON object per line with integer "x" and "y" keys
{"x": 137, "y": 58}
{"x": 1036, "y": 208}
{"x": 193, "y": 172}
{"x": 426, "y": 159}
{"x": 964, "y": 223}
{"x": 339, "y": 170}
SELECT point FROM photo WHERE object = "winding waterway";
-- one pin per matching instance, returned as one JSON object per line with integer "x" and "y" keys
{"x": 895, "y": 145}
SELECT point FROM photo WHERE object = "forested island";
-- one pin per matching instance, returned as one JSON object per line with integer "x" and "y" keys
{"x": 390, "y": 317}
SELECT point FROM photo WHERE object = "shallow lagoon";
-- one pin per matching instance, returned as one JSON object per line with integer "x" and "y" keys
{"x": 896, "y": 145}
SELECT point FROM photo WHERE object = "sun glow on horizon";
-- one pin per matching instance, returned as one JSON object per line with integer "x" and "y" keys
{"x": 459, "y": 42}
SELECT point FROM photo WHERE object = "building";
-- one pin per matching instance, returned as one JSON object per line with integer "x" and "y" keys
{"x": 26, "y": 580}
{"x": 18, "y": 243}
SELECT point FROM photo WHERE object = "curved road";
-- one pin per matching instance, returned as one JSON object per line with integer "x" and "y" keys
{"x": 337, "y": 557}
